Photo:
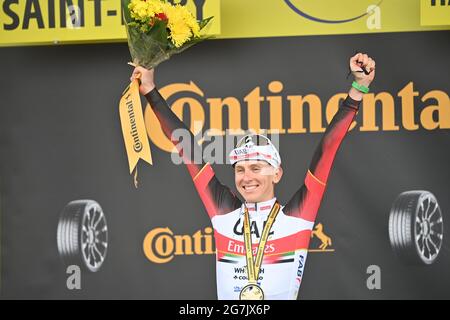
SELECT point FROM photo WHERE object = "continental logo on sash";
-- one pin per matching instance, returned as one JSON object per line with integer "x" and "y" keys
{"x": 133, "y": 128}
{"x": 435, "y": 12}
{"x": 161, "y": 245}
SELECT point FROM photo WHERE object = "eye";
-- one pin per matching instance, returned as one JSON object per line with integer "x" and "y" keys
{"x": 256, "y": 169}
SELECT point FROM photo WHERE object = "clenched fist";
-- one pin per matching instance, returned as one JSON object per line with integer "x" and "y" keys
{"x": 359, "y": 61}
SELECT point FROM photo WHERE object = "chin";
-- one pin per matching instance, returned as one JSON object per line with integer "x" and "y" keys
{"x": 251, "y": 198}
{"x": 256, "y": 196}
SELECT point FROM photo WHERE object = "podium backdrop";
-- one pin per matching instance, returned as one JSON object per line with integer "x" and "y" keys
{"x": 60, "y": 141}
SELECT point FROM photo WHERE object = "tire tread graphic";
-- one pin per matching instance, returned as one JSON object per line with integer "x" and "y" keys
{"x": 404, "y": 235}
{"x": 70, "y": 239}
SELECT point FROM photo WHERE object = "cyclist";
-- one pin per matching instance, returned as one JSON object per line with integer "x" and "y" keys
{"x": 240, "y": 228}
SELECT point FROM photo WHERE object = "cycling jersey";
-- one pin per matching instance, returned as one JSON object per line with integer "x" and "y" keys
{"x": 287, "y": 246}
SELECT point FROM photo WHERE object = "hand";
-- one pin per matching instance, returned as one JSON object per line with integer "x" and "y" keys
{"x": 359, "y": 61}
{"x": 147, "y": 79}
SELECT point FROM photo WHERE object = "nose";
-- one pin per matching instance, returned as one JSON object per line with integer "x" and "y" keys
{"x": 247, "y": 176}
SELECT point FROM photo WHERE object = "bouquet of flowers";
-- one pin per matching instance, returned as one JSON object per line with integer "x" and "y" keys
{"x": 157, "y": 29}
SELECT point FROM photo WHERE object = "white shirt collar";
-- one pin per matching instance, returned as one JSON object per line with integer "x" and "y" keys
{"x": 259, "y": 207}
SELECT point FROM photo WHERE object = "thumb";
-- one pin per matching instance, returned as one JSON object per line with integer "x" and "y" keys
{"x": 137, "y": 73}
{"x": 138, "y": 70}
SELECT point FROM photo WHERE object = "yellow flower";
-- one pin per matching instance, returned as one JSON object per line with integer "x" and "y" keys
{"x": 154, "y": 7}
{"x": 191, "y": 22}
{"x": 195, "y": 29}
{"x": 182, "y": 24}
{"x": 138, "y": 9}
{"x": 179, "y": 30}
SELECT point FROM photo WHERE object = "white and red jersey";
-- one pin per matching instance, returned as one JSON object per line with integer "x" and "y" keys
{"x": 284, "y": 254}
{"x": 286, "y": 249}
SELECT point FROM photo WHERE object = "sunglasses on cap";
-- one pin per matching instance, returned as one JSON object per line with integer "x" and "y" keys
{"x": 256, "y": 139}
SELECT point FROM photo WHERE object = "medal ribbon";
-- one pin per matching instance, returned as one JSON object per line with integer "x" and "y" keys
{"x": 254, "y": 267}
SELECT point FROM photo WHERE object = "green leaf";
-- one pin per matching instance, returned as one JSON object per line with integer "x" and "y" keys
{"x": 159, "y": 32}
{"x": 204, "y": 22}
{"x": 126, "y": 11}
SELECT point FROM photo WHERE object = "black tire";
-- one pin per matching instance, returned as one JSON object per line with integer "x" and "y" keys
{"x": 416, "y": 227}
{"x": 82, "y": 235}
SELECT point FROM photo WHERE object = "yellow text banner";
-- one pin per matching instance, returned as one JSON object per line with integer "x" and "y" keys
{"x": 435, "y": 12}
{"x": 25, "y": 22}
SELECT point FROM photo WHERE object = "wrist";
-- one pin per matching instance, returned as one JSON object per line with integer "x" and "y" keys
{"x": 360, "y": 87}
{"x": 363, "y": 82}
{"x": 147, "y": 88}
{"x": 355, "y": 94}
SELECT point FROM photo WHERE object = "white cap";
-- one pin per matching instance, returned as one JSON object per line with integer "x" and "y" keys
{"x": 255, "y": 147}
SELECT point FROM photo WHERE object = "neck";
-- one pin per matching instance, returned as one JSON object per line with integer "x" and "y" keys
{"x": 262, "y": 199}
{"x": 261, "y": 206}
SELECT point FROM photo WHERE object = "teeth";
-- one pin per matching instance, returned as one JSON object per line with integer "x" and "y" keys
{"x": 249, "y": 187}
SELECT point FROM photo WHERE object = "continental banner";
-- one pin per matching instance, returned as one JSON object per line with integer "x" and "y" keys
{"x": 73, "y": 225}
{"x": 26, "y": 22}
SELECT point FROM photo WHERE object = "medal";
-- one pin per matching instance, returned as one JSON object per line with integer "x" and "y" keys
{"x": 251, "y": 292}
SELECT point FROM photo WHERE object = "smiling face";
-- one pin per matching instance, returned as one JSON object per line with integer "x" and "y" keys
{"x": 255, "y": 180}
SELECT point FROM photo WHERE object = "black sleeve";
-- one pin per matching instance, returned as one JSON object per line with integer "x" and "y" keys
{"x": 217, "y": 198}
{"x": 306, "y": 201}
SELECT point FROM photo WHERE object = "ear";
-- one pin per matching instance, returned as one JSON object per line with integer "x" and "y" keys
{"x": 278, "y": 175}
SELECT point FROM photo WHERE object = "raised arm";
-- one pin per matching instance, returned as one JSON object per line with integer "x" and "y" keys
{"x": 217, "y": 198}
{"x": 306, "y": 201}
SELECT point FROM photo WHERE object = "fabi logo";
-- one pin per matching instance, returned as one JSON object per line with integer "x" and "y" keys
{"x": 301, "y": 265}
